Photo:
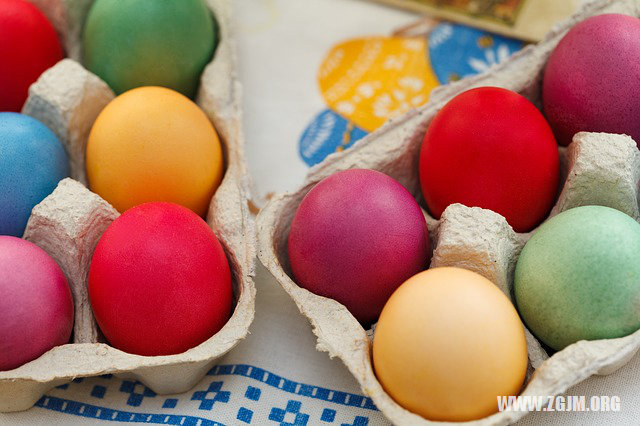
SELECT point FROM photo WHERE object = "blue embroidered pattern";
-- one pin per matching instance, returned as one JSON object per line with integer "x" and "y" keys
{"x": 170, "y": 403}
{"x": 137, "y": 392}
{"x": 98, "y": 391}
{"x": 214, "y": 397}
{"x": 102, "y": 413}
{"x": 271, "y": 379}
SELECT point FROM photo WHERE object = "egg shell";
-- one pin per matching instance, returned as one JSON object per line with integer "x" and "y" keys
{"x": 28, "y": 46}
{"x": 357, "y": 236}
{"x": 68, "y": 100}
{"x": 36, "y": 309}
{"x": 592, "y": 79}
{"x": 154, "y": 144}
{"x": 490, "y": 147}
{"x": 462, "y": 339}
{"x": 32, "y": 162}
{"x": 133, "y": 43}
{"x": 578, "y": 277}
{"x": 159, "y": 281}
{"x": 597, "y": 168}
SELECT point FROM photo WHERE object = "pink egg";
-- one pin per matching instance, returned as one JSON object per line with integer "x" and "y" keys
{"x": 356, "y": 236}
{"x": 36, "y": 308}
{"x": 592, "y": 80}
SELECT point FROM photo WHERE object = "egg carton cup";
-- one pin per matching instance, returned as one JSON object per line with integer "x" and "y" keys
{"x": 69, "y": 222}
{"x": 597, "y": 168}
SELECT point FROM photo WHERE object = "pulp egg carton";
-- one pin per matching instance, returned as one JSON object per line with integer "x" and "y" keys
{"x": 69, "y": 222}
{"x": 597, "y": 168}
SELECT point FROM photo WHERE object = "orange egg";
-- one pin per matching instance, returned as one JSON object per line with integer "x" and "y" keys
{"x": 154, "y": 144}
{"x": 449, "y": 342}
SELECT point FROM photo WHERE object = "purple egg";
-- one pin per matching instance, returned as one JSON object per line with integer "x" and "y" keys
{"x": 356, "y": 236}
{"x": 592, "y": 80}
{"x": 36, "y": 308}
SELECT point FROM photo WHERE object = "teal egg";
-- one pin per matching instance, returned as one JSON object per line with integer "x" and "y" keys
{"x": 133, "y": 43}
{"x": 578, "y": 277}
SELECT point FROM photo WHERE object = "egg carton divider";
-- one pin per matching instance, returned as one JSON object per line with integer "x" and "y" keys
{"x": 597, "y": 168}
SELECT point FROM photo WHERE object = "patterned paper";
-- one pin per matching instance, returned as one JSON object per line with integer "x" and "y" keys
{"x": 458, "y": 51}
{"x": 369, "y": 80}
{"x": 327, "y": 133}
{"x": 505, "y": 11}
{"x": 522, "y": 19}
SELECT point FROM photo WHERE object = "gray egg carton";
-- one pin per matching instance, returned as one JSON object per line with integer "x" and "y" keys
{"x": 597, "y": 168}
{"x": 69, "y": 222}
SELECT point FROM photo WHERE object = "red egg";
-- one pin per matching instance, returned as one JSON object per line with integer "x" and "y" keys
{"x": 159, "y": 281}
{"x": 355, "y": 237}
{"x": 28, "y": 46}
{"x": 491, "y": 148}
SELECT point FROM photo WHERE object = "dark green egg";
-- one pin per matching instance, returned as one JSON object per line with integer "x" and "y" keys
{"x": 578, "y": 277}
{"x": 132, "y": 43}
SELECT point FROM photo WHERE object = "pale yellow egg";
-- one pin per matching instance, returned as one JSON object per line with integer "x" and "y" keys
{"x": 447, "y": 344}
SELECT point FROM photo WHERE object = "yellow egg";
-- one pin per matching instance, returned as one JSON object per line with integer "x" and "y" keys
{"x": 154, "y": 144}
{"x": 447, "y": 343}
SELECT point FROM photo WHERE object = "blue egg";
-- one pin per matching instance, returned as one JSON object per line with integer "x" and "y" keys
{"x": 32, "y": 162}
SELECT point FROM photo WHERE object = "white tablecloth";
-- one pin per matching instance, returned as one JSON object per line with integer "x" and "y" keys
{"x": 276, "y": 376}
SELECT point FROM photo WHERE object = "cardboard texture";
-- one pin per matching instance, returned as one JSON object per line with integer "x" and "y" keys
{"x": 68, "y": 223}
{"x": 597, "y": 168}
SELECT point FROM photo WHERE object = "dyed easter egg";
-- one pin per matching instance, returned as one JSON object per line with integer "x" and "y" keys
{"x": 154, "y": 144}
{"x": 491, "y": 148}
{"x": 355, "y": 237}
{"x": 592, "y": 79}
{"x": 159, "y": 281}
{"x": 578, "y": 277}
{"x": 133, "y": 43}
{"x": 32, "y": 162}
{"x": 28, "y": 46}
{"x": 36, "y": 308}
{"x": 447, "y": 344}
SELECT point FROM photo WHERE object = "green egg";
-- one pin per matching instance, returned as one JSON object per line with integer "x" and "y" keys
{"x": 133, "y": 43}
{"x": 578, "y": 277}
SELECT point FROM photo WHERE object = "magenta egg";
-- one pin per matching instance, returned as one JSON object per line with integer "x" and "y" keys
{"x": 355, "y": 237}
{"x": 592, "y": 80}
{"x": 36, "y": 308}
